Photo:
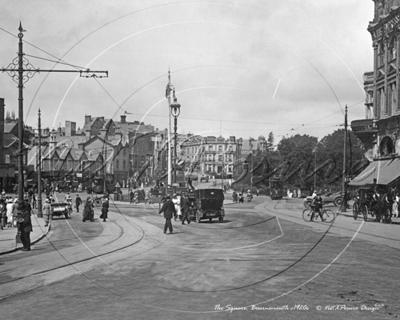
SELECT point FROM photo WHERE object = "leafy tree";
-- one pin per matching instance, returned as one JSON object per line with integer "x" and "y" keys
{"x": 270, "y": 142}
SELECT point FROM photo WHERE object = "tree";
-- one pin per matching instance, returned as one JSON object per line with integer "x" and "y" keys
{"x": 270, "y": 142}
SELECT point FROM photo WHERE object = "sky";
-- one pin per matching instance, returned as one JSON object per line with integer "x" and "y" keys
{"x": 240, "y": 68}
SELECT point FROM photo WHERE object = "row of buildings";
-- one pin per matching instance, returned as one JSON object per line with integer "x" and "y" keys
{"x": 380, "y": 129}
{"x": 127, "y": 152}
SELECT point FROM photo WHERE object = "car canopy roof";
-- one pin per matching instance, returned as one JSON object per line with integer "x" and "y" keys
{"x": 209, "y": 193}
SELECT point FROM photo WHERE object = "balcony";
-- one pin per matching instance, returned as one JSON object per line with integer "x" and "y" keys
{"x": 365, "y": 130}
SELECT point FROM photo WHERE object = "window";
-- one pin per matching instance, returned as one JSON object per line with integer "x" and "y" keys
{"x": 7, "y": 160}
{"x": 117, "y": 164}
{"x": 124, "y": 165}
{"x": 383, "y": 102}
{"x": 210, "y": 148}
{"x": 220, "y": 148}
{"x": 393, "y": 100}
{"x": 392, "y": 49}
{"x": 381, "y": 52}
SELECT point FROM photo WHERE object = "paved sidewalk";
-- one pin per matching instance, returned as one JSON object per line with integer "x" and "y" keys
{"x": 7, "y": 235}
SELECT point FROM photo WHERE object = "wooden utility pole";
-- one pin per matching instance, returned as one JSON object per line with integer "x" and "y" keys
{"x": 39, "y": 168}
{"x": 344, "y": 183}
{"x": 21, "y": 70}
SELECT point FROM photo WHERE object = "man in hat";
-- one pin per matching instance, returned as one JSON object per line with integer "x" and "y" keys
{"x": 25, "y": 228}
{"x": 47, "y": 212}
{"x": 169, "y": 211}
{"x": 104, "y": 210}
{"x": 317, "y": 204}
{"x": 78, "y": 202}
{"x": 185, "y": 207}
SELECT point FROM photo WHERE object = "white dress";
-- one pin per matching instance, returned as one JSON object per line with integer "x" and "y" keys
{"x": 177, "y": 203}
{"x": 9, "y": 208}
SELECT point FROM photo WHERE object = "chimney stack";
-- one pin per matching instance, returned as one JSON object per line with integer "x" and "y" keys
{"x": 123, "y": 119}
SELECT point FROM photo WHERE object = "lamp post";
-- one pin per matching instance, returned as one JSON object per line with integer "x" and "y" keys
{"x": 175, "y": 111}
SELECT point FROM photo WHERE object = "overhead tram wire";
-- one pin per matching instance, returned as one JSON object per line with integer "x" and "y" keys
{"x": 332, "y": 114}
{"x": 58, "y": 61}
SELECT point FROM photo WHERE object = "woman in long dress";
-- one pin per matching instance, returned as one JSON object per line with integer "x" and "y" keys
{"x": 87, "y": 211}
{"x": 9, "y": 208}
{"x": 104, "y": 210}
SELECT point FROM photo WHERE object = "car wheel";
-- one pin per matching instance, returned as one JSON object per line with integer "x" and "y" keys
{"x": 338, "y": 201}
{"x": 210, "y": 219}
{"x": 221, "y": 219}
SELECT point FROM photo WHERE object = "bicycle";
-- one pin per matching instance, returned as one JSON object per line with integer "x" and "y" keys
{"x": 328, "y": 215}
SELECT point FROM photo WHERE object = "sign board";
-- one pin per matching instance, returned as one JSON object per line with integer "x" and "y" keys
{"x": 79, "y": 175}
{"x": 156, "y": 139}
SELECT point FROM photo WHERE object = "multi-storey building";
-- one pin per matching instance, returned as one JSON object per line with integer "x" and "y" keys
{"x": 380, "y": 130}
{"x": 214, "y": 156}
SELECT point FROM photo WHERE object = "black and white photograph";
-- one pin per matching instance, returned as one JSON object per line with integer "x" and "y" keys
{"x": 199, "y": 159}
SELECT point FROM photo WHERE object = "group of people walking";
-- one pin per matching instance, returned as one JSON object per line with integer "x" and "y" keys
{"x": 176, "y": 207}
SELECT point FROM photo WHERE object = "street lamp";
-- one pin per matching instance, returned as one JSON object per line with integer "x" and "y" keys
{"x": 175, "y": 111}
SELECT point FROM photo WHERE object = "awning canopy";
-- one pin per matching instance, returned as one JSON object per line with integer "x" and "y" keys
{"x": 384, "y": 171}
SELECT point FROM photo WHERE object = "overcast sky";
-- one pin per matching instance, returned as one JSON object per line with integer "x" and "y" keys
{"x": 239, "y": 67}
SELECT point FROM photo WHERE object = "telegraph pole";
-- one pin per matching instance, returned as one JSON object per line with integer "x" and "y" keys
{"x": 344, "y": 184}
{"x": 39, "y": 169}
{"x": 21, "y": 70}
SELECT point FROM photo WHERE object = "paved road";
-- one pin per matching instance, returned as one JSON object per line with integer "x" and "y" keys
{"x": 263, "y": 258}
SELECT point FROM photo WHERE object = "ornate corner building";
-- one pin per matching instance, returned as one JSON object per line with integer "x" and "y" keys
{"x": 380, "y": 130}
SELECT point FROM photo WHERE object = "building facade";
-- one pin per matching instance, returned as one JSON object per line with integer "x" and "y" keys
{"x": 380, "y": 129}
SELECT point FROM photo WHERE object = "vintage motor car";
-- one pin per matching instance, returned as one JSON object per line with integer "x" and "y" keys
{"x": 61, "y": 209}
{"x": 207, "y": 204}
{"x": 335, "y": 198}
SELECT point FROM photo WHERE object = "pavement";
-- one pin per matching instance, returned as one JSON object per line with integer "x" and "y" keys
{"x": 8, "y": 240}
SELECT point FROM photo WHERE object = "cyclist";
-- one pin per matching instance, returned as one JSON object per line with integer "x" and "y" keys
{"x": 316, "y": 206}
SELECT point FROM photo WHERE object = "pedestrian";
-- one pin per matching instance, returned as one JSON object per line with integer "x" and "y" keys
{"x": 14, "y": 212}
{"x": 241, "y": 198}
{"x": 25, "y": 228}
{"x": 27, "y": 205}
{"x": 169, "y": 211}
{"x": 34, "y": 201}
{"x": 257, "y": 192}
{"x": 78, "y": 202}
{"x": 147, "y": 197}
{"x": 3, "y": 214}
{"x": 88, "y": 210}
{"x": 47, "y": 212}
{"x": 176, "y": 200}
{"x": 185, "y": 207}
{"x": 234, "y": 196}
{"x": 104, "y": 210}
{"x": 131, "y": 195}
{"x": 9, "y": 208}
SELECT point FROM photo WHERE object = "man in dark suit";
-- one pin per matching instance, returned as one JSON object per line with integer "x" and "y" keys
{"x": 169, "y": 211}
{"x": 25, "y": 228}
{"x": 185, "y": 206}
